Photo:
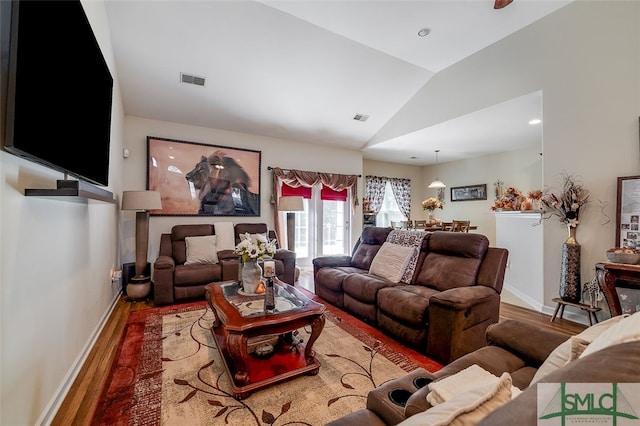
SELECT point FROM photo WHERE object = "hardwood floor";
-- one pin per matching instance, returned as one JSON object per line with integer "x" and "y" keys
{"x": 80, "y": 402}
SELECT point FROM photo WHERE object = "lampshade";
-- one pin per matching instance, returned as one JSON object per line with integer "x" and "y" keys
{"x": 291, "y": 204}
{"x": 437, "y": 184}
{"x": 141, "y": 200}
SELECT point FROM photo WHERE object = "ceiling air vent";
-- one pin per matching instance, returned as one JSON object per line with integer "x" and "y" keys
{"x": 361, "y": 117}
{"x": 191, "y": 79}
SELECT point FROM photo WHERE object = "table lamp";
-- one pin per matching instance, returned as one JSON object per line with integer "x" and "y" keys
{"x": 290, "y": 205}
{"x": 142, "y": 201}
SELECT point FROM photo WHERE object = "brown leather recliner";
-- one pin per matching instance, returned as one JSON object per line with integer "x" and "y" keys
{"x": 174, "y": 281}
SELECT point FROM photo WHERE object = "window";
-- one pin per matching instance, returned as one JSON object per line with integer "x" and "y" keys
{"x": 389, "y": 210}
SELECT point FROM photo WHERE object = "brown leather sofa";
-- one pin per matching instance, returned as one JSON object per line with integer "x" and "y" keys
{"x": 445, "y": 308}
{"x": 175, "y": 282}
{"x": 513, "y": 347}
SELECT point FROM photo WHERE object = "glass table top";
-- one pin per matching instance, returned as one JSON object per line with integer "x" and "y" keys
{"x": 252, "y": 305}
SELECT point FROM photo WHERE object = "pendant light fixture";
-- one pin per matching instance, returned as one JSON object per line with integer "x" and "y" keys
{"x": 437, "y": 183}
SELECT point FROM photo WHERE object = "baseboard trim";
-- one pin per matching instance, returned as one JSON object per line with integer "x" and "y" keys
{"x": 52, "y": 407}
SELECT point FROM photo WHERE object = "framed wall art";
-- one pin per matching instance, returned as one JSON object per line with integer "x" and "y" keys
{"x": 628, "y": 212}
{"x": 468, "y": 193}
{"x": 196, "y": 179}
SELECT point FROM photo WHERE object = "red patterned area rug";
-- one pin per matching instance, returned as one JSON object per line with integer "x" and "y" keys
{"x": 168, "y": 372}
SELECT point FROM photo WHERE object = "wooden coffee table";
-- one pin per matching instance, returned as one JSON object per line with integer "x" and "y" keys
{"x": 241, "y": 319}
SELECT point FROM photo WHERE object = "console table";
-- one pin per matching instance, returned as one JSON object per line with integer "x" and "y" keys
{"x": 610, "y": 276}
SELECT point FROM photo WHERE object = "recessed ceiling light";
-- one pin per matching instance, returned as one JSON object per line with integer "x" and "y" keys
{"x": 535, "y": 121}
{"x": 424, "y": 32}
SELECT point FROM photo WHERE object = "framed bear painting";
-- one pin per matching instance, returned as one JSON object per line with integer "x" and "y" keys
{"x": 197, "y": 179}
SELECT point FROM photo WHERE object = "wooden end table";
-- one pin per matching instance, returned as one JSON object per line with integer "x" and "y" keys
{"x": 241, "y": 318}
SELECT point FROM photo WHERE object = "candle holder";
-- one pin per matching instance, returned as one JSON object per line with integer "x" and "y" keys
{"x": 269, "y": 297}
{"x": 269, "y": 268}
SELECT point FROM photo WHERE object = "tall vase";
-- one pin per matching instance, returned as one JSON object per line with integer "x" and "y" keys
{"x": 570, "y": 270}
{"x": 431, "y": 218}
{"x": 251, "y": 276}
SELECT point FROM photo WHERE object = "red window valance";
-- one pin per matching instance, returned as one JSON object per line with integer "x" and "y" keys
{"x": 328, "y": 194}
{"x": 301, "y": 191}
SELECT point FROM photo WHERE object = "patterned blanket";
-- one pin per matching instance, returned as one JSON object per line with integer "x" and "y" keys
{"x": 408, "y": 238}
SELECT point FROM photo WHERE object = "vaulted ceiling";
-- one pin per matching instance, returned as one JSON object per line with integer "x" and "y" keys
{"x": 302, "y": 70}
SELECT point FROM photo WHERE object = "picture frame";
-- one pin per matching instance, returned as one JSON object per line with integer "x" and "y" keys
{"x": 628, "y": 212}
{"x": 469, "y": 192}
{"x": 198, "y": 179}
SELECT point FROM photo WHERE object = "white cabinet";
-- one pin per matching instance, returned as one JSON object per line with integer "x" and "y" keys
{"x": 521, "y": 233}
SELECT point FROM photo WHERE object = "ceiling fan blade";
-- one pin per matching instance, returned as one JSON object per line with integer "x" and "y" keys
{"x": 499, "y": 4}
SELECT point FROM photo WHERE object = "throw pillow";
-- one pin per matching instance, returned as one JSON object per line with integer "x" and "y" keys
{"x": 226, "y": 236}
{"x": 468, "y": 408}
{"x": 391, "y": 261}
{"x": 201, "y": 249}
{"x": 254, "y": 237}
{"x": 625, "y": 330}
{"x": 562, "y": 354}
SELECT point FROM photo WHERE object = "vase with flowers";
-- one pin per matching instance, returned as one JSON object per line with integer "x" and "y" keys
{"x": 535, "y": 196}
{"x": 430, "y": 204}
{"x": 252, "y": 248}
{"x": 567, "y": 207}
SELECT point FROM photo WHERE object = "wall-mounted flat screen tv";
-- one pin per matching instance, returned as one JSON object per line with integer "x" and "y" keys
{"x": 59, "y": 90}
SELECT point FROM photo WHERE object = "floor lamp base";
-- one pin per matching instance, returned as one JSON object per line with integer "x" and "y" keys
{"x": 291, "y": 231}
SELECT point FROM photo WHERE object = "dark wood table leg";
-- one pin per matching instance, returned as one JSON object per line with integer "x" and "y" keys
{"x": 607, "y": 283}
{"x": 237, "y": 346}
{"x": 316, "y": 328}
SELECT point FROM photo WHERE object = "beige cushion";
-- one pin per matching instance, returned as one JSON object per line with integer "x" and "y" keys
{"x": 391, "y": 261}
{"x": 562, "y": 354}
{"x": 578, "y": 346}
{"x": 201, "y": 249}
{"x": 468, "y": 408}
{"x": 625, "y": 330}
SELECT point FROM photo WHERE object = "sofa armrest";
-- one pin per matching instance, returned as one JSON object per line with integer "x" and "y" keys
{"x": 288, "y": 259}
{"x": 227, "y": 255}
{"x": 534, "y": 349}
{"x": 458, "y": 319}
{"x": 163, "y": 269}
{"x": 331, "y": 261}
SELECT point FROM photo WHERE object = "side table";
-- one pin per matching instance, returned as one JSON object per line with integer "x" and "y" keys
{"x": 590, "y": 310}
{"x": 612, "y": 275}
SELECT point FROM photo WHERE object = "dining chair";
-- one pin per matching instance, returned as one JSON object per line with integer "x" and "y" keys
{"x": 420, "y": 224}
{"x": 446, "y": 226}
{"x": 460, "y": 226}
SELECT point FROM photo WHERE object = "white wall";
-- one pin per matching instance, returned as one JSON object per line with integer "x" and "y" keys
{"x": 275, "y": 153}
{"x": 521, "y": 169}
{"x": 586, "y": 60}
{"x": 55, "y": 285}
